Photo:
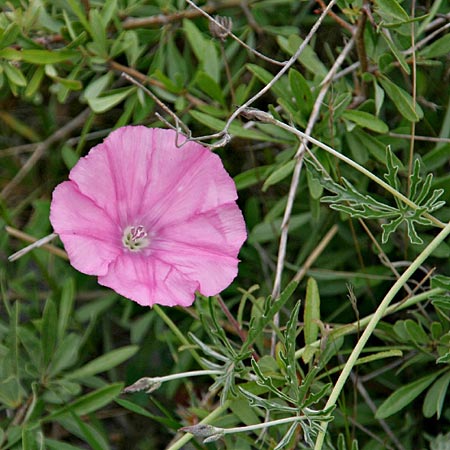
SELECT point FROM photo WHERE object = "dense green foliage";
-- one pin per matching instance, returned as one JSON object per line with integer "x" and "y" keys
{"x": 333, "y": 223}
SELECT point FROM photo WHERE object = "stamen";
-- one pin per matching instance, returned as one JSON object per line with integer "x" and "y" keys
{"x": 135, "y": 238}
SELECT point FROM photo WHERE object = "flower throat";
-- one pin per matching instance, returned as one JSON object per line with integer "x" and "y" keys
{"x": 135, "y": 238}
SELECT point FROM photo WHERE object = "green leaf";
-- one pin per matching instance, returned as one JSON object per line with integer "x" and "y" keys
{"x": 416, "y": 332}
{"x": 14, "y": 75}
{"x": 98, "y": 32}
{"x": 37, "y": 56}
{"x": 266, "y": 77}
{"x": 366, "y": 120}
{"x": 54, "y": 444}
{"x": 77, "y": 9}
{"x": 169, "y": 423}
{"x": 279, "y": 174}
{"x": 434, "y": 400}
{"x": 11, "y": 392}
{"x": 312, "y": 311}
{"x": 308, "y": 58}
{"x": 49, "y": 331}
{"x": 66, "y": 354}
{"x": 88, "y": 403}
{"x": 35, "y": 82}
{"x": 440, "y": 281}
{"x": 8, "y": 36}
{"x": 402, "y": 100}
{"x": 251, "y": 177}
{"x": 235, "y": 128}
{"x": 209, "y": 86}
{"x": 301, "y": 90}
{"x": 104, "y": 362}
{"x": 268, "y": 231}
{"x": 404, "y": 396}
{"x": 106, "y": 102}
{"x": 196, "y": 39}
{"x": 211, "y": 61}
{"x": 97, "y": 86}
{"x": 397, "y": 53}
{"x": 392, "y": 9}
{"x": 65, "y": 306}
{"x": 437, "y": 48}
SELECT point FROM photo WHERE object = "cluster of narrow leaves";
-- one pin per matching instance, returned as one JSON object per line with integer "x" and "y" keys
{"x": 364, "y": 206}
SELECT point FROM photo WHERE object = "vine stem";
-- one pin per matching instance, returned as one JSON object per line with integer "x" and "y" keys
{"x": 379, "y": 313}
{"x": 207, "y": 420}
{"x": 176, "y": 331}
{"x": 268, "y": 118}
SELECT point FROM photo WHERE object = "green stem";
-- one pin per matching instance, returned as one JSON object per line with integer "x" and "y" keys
{"x": 350, "y": 328}
{"x": 353, "y": 164}
{"x": 176, "y": 331}
{"x": 258, "y": 426}
{"x": 207, "y": 420}
{"x": 376, "y": 317}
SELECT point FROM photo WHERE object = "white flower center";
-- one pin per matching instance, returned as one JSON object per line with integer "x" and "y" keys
{"x": 135, "y": 238}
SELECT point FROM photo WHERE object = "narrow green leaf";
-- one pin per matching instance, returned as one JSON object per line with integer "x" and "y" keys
{"x": 379, "y": 97}
{"x": 308, "y": 58}
{"x": 65, "y": 306}
{"x": 251, "y": 177}
{"x": 397, "y": 53}
{"x": 37, "y": 56}
{"x": 88, "y": 403}
{"x": 54, "y": 444}
{"x": 195, "y": 39}
{"x": 266, "y": 77}
{"x": 169, "y": 423}
{"x": 366, "y": 120}
{"x": 392, "y": 9}
{"x": 77, "y": 9}
{"x": 404, "y": 396}
{"x": 301, "y": 90}
{"x": 8, "y": 36}
{"x": 279, "y": 174}
{"x": 35, "y": 82}
{"x": 108, "y": 101}
{"x": 49, "y": 331}
{"x": 235, "y": 129}
{"x": 402, "y": 100}
{"x": 434, "y": 400}
{"x": 416, "y": 332}
{"x": 312, "y": 311}
{"x": 109, "y": 10}
{"x": 98, "y": 32}
{"x": 437, "y": 48}
{"x": 14, "y": 75}
{"x": 104, "y": 362}
{"x": 211, "y": 61}
{"x": 66, "y": 354}
{"x": 210, "y": 87}
{"x": 268, "y": 231}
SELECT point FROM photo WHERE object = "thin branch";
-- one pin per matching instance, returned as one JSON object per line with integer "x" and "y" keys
{"x": 41, "y": 148}
{"x": 233, "y": 36}
{"x": 165, "y": 19}
{"x": 420, "y": 138}
{"x": 36, "y": 243}
{"x": 223, "y": 134}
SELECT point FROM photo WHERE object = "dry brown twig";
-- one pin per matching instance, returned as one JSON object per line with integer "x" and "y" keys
{"x": 40, "y": 150}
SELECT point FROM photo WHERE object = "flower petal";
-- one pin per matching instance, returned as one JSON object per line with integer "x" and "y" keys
{"x": 183, "y": 181}
{"x": 90, "y": 238}
{"x": 115, "y": 173}
{"x": 147, "y": 281}
{"x": 205, "y": 247}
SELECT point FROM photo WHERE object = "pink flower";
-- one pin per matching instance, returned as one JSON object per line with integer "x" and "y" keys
{"x": 154, "y": 222}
